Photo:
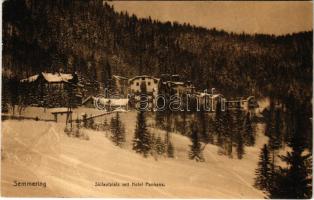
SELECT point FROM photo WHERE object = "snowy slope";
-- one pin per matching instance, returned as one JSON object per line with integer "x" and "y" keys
{"x": 40, "y": 151}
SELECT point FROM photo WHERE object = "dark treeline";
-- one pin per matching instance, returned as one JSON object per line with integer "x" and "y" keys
{"x": 90, "y": 36}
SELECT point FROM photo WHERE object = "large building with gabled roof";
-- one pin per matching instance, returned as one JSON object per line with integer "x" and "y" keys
{"x": 52, "y": 89}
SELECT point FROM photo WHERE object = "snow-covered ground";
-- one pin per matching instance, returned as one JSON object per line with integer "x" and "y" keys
{"x": 41, "y": 151}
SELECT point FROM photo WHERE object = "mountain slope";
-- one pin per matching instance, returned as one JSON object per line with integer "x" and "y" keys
{"x": 90, "y": 37}
{"x": 70, "y": 166}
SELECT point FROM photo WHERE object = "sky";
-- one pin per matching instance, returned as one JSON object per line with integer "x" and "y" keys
{"x": 250, "y": 17}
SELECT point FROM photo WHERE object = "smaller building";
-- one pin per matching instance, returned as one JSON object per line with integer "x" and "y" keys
{"x": 110, "y": 104}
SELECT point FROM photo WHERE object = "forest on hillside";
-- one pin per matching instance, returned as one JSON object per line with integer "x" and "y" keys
{"x": 90, "y": 36}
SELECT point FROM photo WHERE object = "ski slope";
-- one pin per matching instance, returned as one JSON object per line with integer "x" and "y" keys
{"x": 40, "y": 151}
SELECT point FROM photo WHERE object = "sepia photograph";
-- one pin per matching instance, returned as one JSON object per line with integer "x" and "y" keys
{"x": 157, "y": 99}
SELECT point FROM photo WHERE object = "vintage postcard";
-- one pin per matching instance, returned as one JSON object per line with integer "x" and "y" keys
{"x": 157, "y": 99}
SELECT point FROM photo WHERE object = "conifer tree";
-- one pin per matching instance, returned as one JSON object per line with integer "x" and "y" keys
{"x": 294, "y": 181}
{"x": 220, "y": 128}
{"x": 263, "y": 179}
{"x": 160, "y": 147}
{"x": 195, "y": 149}
{"x": 274, "y": 142}
{"x": 141, "y": 141}
{"x": 240, "y": 146}
{"x": 78, "y": 127}
{"x": 203, "y": 120}
{"x": 153, "y": 145}
{"x": 170, "y": 150}
{"x": 275, "y": 136}
{"x": 249, "y": 134}
{"x": 117, "y": 130}
{"x": 238, "y": 128}
{"x": 183, "y": 124}
{"x": 168, "y": 145}
{"x": 211, "y": 130}
{"x": 229, "y": 132}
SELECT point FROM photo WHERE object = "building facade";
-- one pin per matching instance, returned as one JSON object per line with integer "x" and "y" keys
{"x": 150, "y": 82}
{"x": 52, "y": 90}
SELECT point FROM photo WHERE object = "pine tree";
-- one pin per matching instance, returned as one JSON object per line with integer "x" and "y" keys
{"x": 78, "y": 127}
{"x": 183, "y": 124}
{"x": 249, "y": 134}
{"x": 203, "y": 120}
{"x": 117, "y": 130}
{"x": 170, "y": 150}
{"x": 239, "y": 141}
{"x": 275, "y": 141}
{"x": 211, "y": 130}
{"x": 240, "y": 146}
{"x": 85, "y": 122}
{"x": 168, "y": 145}
{"x": 229, "y": 132}
{"x": 220, "y": 129}
{"x": 195, "y": 149}
{"x": 159, "y": 119}
{"x": 263, "y": 179}
{"x": 294, "y": 181}
{"x": 160, "y": 147}
{"x": 153, "y": 145}
{"x": 141, "y": 141}
{"x": 275, "y": 135}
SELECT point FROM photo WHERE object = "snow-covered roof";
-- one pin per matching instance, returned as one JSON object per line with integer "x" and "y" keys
{"x": 143, "y": 76}
{"x": 50, "y": 77}
{"x": 57, "y": 77}
{"x": 113, "y": 102}
{"x": 88, "y": 98}
{"x": 30, "y": 79}
{"x": 120, "y": 77}
{"x": 58, "y": 110}
{"x": 177, "y": 83}
{"x": 202, "y": 94}
{"x": 217, "y": 95}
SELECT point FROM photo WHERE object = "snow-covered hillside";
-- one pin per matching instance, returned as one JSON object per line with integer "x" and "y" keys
{"x": 41, "y": 151}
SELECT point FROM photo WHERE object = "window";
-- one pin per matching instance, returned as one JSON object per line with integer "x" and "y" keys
{"x": 143, "y": 78}
{"x": 148, "y": 83}
{"x": 155, "y": 81}
{"x": 137, "y": 83}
